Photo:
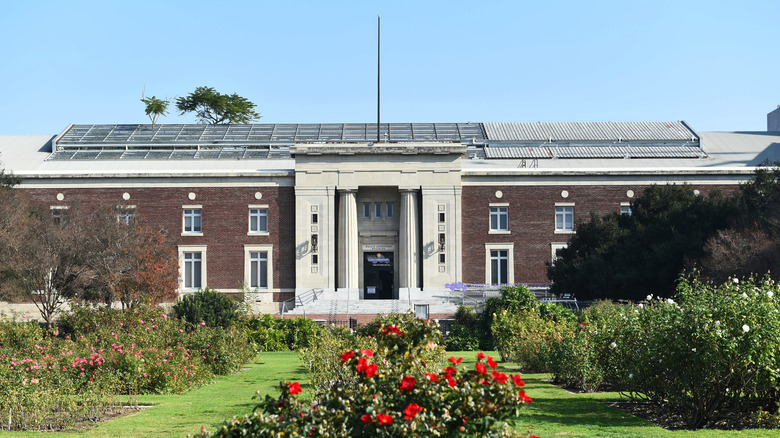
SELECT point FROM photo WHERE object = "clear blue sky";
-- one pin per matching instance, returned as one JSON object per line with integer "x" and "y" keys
{"x": 714, "y": 64}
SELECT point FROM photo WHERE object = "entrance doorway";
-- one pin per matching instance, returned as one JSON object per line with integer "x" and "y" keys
{"x": 378, "y": 276}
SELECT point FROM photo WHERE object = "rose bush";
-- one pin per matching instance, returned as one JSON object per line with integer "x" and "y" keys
{"x": 102, "y": 353}
{"x": 395, "y": 393}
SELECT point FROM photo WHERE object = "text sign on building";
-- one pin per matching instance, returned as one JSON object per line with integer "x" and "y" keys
{"x": 377, "y": 248}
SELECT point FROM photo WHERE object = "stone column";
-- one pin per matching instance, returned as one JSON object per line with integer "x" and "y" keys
{"x": 348, "y": 240}
{"x": 408, "y": 247}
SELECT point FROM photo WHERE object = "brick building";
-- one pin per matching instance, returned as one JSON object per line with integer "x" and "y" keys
{"x": 351, "y": 222}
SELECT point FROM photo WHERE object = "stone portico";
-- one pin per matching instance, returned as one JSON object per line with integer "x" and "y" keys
{"x": 377, "y": 221}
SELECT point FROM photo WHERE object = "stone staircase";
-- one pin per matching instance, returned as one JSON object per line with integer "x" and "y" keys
{"x": 333, "y": 310}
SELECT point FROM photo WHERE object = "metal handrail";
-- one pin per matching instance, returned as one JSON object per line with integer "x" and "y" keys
{"x": 300, "y": 300}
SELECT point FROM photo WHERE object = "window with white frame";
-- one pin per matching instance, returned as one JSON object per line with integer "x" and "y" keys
{"x": 258, "y": 266}
{"x": 258, "y": 269}
{"x": 499, "y": 263}
{"x": 564, "y": 218}
{"x": 59, "y": 214}
{"x": 554, "y": 248}
{"x": 193, "y": 263}
{"x": 125, "y": 214}
{"x": 258, "y": 219}
{"x": 499, "y": 218}
{"x": 192, "y": 260}
{"x": 192, "y": 219}
{"x": 625, "y": 208}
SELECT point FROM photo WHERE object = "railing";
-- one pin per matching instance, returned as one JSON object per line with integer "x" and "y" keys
{"x": 300, "y": 299}
{"x": 475, "y": 295}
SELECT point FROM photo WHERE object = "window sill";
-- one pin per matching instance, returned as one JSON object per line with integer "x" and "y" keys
{"x": 191, "y": 234}
{"x": 258, "y": 233}
{"x": 564, "y": 231}
{"x": 499, "y": 232}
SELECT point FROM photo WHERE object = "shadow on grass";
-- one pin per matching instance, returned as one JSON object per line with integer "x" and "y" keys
{"x": 555, "y": 406}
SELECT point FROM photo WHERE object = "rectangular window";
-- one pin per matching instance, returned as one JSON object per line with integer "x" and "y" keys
{"x": 421, "y": 311}
{"x": 192, "y": 220}
{"x": 366, "y": 210}
{"x": 441, "y": 218}
{"x": 390, "y": 212}
{"x": 625, "y": 208}
{"x": 59, "y": 214}
{"x": 125, "y": 215}
{"x": 499, "y": 218}
{"x": 499, "y": 266}
{"x": 555, "y": 247}
{"x": 192, "y": 270}
{"x": 564, "y": 218}
{"x": 258, "y": 220}
{"x": 378, "y": 210}
{"x": 258, "y": 268}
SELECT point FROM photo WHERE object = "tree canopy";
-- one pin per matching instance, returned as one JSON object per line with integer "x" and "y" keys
{"x": 213, "y": 107}
{"x": 155, "y": 107}
{"x": 632, "y": 256}
{"x": 82, "y": 253}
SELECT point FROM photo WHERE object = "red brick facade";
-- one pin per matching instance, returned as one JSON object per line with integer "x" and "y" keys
{"x": 224, "y": 218}
{"x": 532, "y": 222}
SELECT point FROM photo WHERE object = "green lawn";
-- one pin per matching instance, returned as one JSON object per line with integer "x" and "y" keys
{"x": 554, "y": 412}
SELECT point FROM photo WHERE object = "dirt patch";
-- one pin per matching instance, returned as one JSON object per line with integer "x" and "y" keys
{"x": 654, "y": 414}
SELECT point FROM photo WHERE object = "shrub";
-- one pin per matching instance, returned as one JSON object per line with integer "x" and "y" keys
{"x": 392, "y": 397}
{"x": 422, "y": 339}
{"x": 209, "y": 306}
{"x": 269, "y": 333}
{"x": 526, "y": 338}
{"x": 710, "y": 354}
{"x": 464, "y": 335}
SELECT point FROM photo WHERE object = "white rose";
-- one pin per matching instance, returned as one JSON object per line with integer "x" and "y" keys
{"x": 745, "y": 328}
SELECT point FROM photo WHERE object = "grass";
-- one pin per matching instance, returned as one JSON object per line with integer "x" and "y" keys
{"x": 554, "y": 412}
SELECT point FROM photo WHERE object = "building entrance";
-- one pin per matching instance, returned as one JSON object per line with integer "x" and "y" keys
{"x": 378, "y": 276}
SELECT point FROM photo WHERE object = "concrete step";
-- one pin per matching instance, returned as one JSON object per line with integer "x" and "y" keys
{"x": 344, "y": 307}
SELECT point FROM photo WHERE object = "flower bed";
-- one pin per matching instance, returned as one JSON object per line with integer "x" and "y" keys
{"x": 394, "y": 393}
{"x": 48, "y": 380}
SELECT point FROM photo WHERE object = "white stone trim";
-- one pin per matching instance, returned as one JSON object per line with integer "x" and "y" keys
{"x": 509, "y": 247}
{"x": 203, "y": 265}
{"x": 247, "y": 266}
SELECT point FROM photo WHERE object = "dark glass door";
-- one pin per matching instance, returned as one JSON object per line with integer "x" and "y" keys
{"x": 378, "y": 276}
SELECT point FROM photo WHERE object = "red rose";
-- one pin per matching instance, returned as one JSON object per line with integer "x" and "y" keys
{"x": 412, "y": 410}
{"x": 393, "y": 329}
{"x": 346, "y": 356}
{"x": 450, "y": 371}
{"x": 366, "y": 352}
{"x": 499, "y": 377}
{"x": 366, "y": 419}
{"x": 432, "y": 377}
{"x": 491, "y": 363}
{"x": 384, "y": 419}
{"x": 295, "y": 388}
{"x": 518, "y": 381}
{"x": 480, "y": 355}
{"x": 407, "y": 384}
{"x": 525, "y": 398}
{"x": 481, "y": 368}
{"x": 450, "y": 381}
{"x": 455, "y": 361}
{"x": 371, "y": 370}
